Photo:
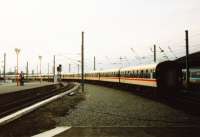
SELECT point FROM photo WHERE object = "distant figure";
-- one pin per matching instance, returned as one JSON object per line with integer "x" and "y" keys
{"x": 21, "y": 78}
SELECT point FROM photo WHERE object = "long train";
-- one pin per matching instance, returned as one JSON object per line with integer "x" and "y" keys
{"x": 165, "y": 76}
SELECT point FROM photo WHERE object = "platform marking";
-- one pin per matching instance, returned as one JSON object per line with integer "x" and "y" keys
{"x": 52, "y": 132}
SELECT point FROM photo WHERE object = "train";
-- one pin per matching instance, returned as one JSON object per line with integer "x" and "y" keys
{"x": 164, "y": 76}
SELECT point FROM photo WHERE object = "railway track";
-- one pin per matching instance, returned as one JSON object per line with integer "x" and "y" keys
{"x": 186, "y": 102}
{"x": 27, "y": 100}
{"x": 188, "y": 99}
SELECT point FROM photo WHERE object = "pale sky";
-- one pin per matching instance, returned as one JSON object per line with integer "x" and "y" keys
{"x": 112, "y": 28}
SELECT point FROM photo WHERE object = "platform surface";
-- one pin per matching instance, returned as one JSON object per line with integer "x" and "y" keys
{"x": 12, "y": 87}
{"x": 130, "y": 132}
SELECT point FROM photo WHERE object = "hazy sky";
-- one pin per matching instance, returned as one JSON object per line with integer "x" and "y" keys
{"x": 112, "y": 27}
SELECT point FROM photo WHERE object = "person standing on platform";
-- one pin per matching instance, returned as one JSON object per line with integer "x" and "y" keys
{"x": 21, "y": 78}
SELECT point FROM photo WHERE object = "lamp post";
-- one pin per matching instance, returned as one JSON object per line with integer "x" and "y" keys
{"x": 40, "y": 58}
{"x": 4, "y": 68}
{"x": 17, "y": 50}
{"x": 48, "y": 72}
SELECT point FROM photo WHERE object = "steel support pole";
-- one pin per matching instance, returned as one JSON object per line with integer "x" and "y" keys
{"x": 37, "y": 70}
{"x": 48, "y": 72}
{"x": 40, "y": 72}
{"x": 154, "y": 51}
{"x": 187, "y": 58}
{"x": 69, "y": 68}
{"x": 54, "y": 67}
{"x": 17, "y": 77}
{"x": 40, "y": 58}
{"x": 27, "y": 70}
{"x": 82, "y": 62}
{"x": 94, "y": 63}
{"x": 78, "y": 68}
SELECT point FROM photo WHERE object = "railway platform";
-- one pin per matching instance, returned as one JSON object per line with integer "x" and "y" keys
{"x": 12, "y": 87}
{"x": 127, "y": 132}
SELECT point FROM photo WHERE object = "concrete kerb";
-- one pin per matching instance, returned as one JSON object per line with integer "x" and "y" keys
{"x": 33, "y": 107}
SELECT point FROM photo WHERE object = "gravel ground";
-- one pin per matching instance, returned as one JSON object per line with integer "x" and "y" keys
{"x": 110, "y": 107}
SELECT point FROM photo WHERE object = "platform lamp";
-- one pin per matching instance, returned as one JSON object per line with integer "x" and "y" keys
{"x": 17, "y": 50}
{"x": 40, "y": 58}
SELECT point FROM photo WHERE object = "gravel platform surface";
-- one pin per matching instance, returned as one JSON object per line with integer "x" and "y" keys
{"x": 115, "y": 108}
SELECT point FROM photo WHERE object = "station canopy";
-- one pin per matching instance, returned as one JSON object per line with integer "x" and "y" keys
{"x": 194, "y": 60}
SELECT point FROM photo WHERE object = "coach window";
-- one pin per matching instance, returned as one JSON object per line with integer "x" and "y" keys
{"x": 123, "y": 74}
{"x": 117, "y": 74}
{"x": 141, "y": 73}
{"x": 154, "y": 73}
{"x": 134, "y": 73}
{"x": 147, "y": 73}
{"x": 111, "y": 74}
{"x": 127, "y": 73}
{"x": 144, "y": 73}
{"x": 131, "y": 74}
